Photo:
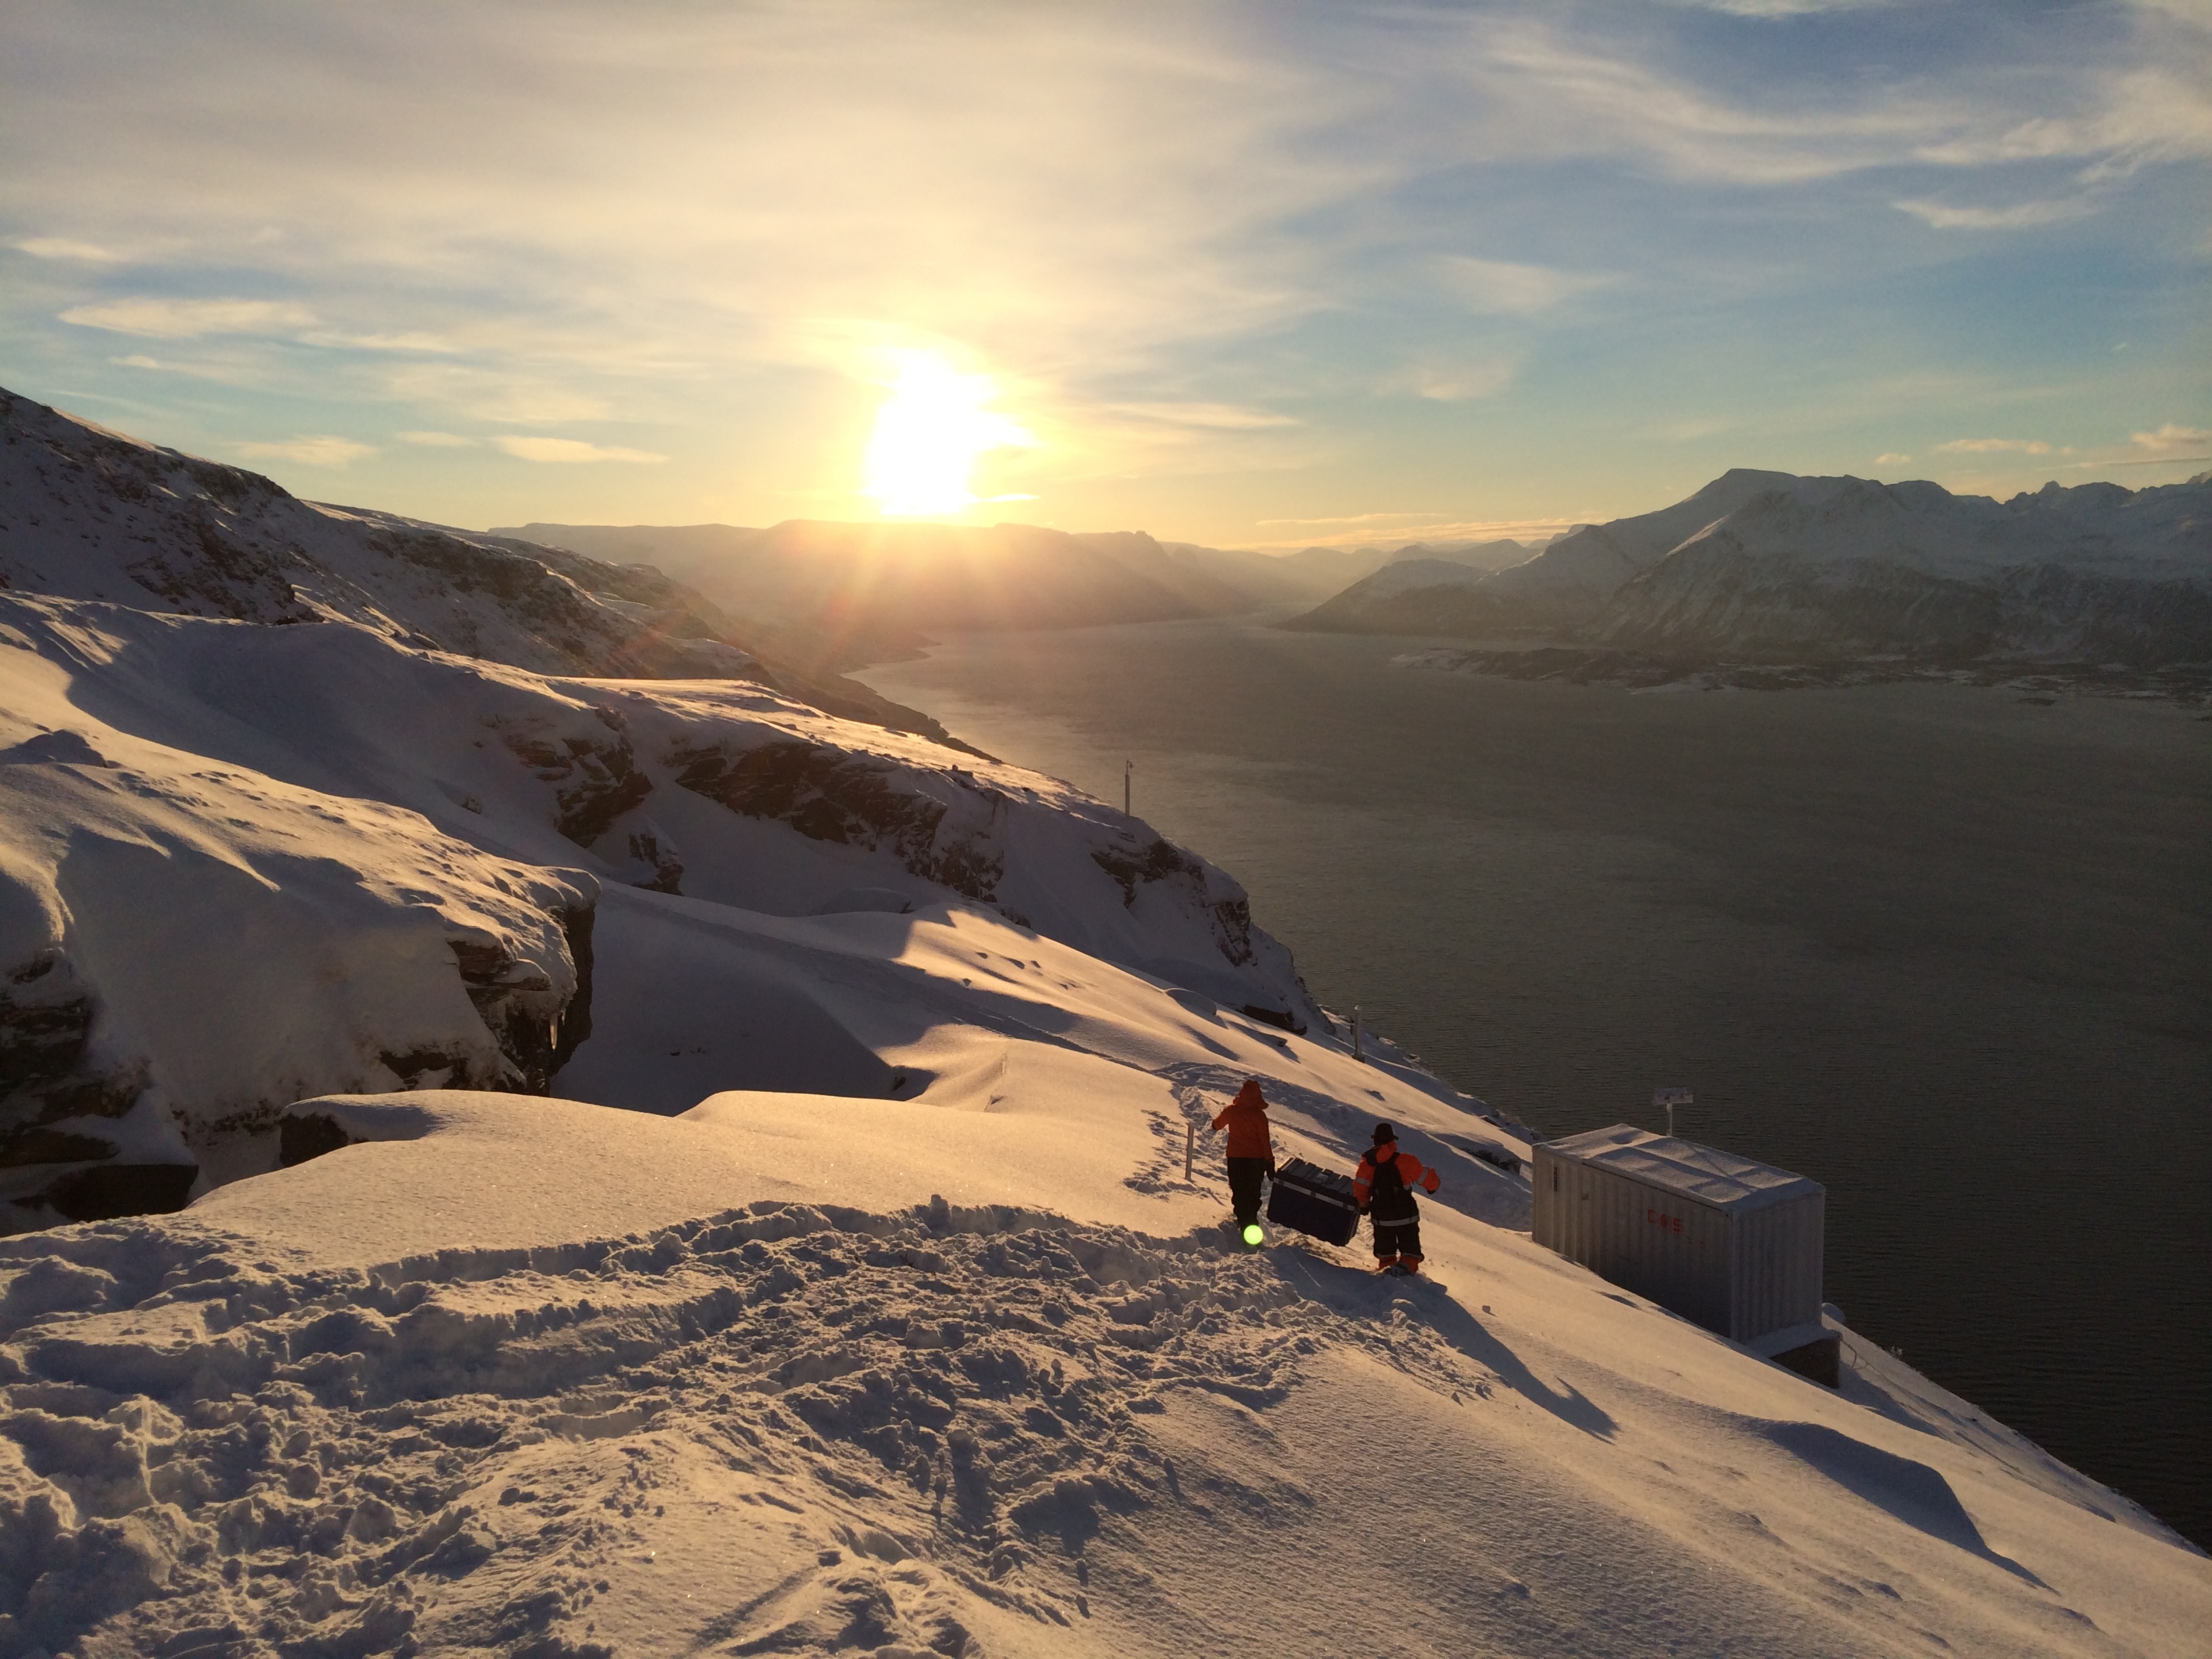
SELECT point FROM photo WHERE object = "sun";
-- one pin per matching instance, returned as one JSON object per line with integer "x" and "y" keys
{"x": 929, "y": 434}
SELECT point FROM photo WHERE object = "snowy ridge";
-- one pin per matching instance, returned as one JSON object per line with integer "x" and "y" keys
{"x": 87, "y": 513}
{"x": 1763, "y": 567}
{"x": 91, "y": 514}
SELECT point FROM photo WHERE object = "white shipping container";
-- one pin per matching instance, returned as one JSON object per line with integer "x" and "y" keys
{"x": 1733, "y": 1244}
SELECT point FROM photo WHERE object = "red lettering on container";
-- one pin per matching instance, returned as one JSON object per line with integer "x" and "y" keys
{"x": 1672, "y": 1223}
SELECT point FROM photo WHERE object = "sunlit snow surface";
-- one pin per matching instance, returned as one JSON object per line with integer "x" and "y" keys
{"x": 884, "y": 1319}
{"x": 973, "y": 1373}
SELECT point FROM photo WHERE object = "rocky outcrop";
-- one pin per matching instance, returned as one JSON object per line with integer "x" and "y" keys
{"x": 185, "y": 950}
{"x": 1190, "y": 882}
{"x": 855, "y": 801}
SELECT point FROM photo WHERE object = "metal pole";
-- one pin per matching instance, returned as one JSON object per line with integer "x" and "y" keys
{"x": 1358, "y": 1043}
{"x": 1127, "y": 766}
{"x": 1189, "y": 1146}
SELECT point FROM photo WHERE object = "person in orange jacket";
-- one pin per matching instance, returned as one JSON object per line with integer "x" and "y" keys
{"x": 1383, "y": 1189}
{"x": 1251, "y": 1150}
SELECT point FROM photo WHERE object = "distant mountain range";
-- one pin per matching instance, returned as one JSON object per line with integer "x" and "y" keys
{"x": 830, "y": 596}
{"x": 1760, "y": 570}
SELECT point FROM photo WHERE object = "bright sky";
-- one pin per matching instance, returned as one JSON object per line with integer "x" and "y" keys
{"x": 1246, "y": 274}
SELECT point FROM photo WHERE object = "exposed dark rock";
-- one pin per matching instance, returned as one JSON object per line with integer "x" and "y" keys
{"x": 55, "y": 747}
{"x": 1162, "y": 861}
{"x": 304, "y": 1135}
{"x": 105, "y": 1191}
{"x": 853, "y": 800}
{"x": 596, "y": 779}
{"x": 577, "y": 921}
{"x": 45, "y": 1029}
{"x": 535, "y": 1028}
{"x": 53, "y": 1147}
{"x": 650, "y": 850}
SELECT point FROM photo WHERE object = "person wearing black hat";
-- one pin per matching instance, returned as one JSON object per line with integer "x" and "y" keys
{"x": 1383, "y": 1189}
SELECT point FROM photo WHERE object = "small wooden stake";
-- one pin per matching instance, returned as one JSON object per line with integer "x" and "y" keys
{"x": 1189, "y": 1147}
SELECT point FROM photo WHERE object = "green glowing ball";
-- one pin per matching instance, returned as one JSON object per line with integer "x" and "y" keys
{"x": 1252, "y": 1233}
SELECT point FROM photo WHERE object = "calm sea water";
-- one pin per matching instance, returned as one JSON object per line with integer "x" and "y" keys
{"x": 1941, "y": 949}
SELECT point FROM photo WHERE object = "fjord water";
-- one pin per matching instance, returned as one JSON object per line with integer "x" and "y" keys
{"x": 1942, "y": 948}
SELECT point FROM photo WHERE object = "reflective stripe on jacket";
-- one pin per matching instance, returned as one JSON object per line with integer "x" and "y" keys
{"x": 1411, "y": 1170}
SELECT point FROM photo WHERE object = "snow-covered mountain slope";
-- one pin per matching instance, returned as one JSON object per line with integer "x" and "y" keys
{"x": 87, "y": 513}
{"x": 1762, "y": 566}
{"x": 244, "y": 863}
{"x": 967, "y": 1374}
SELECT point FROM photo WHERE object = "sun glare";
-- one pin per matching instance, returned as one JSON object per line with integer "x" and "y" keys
{"x": 929, "y": 434}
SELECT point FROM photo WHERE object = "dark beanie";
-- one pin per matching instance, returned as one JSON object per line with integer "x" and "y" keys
{"x": 1384, "y": 1133}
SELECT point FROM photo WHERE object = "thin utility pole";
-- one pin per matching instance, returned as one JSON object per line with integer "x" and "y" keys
{"x": 1127, "y": 766}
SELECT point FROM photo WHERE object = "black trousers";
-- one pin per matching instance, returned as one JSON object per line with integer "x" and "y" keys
{"x": 1398, "y": 1239}
{"x": 1244, "y": 1174}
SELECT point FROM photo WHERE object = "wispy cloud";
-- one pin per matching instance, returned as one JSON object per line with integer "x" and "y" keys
{"x": 1222, "y": 416}
{"x": 308, "y": 451}
{"x": 64, "y": 247}
{"x": 2021, "y": 215}
{"x": 411, "y": 341}
{"x": 1784, "y": 8}
{"x": 1993, "y": 447}
{"x": 1891, "y": 459}
{"x": 2170, "y": 441}
{"x": 1193, "y": 241}
{"x": 436, "y": 439}
{"x": 188, "y": 320}
{"x": 1498, "y": 286}
{"x": 572, "y": 451}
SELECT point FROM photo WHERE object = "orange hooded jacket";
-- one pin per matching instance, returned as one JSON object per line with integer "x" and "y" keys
{"x": 1246, "y": 1117}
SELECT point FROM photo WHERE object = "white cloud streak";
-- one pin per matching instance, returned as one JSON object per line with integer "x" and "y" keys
{"x": 1993, "y": 447}
{"x": 2021, "y": 215}
{"x": 2170, "y": 441}
{"x": 308, "y": 451}
{"x": 188, "y": 320}
{"x": 572, "y": 451}
{"x": 62, "y": 247}
{"x": 1222, "y": 416}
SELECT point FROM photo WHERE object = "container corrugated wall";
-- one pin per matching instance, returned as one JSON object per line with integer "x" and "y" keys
{"x": 1741, "y": 1274}
{"x": 1779, "y": 1266}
